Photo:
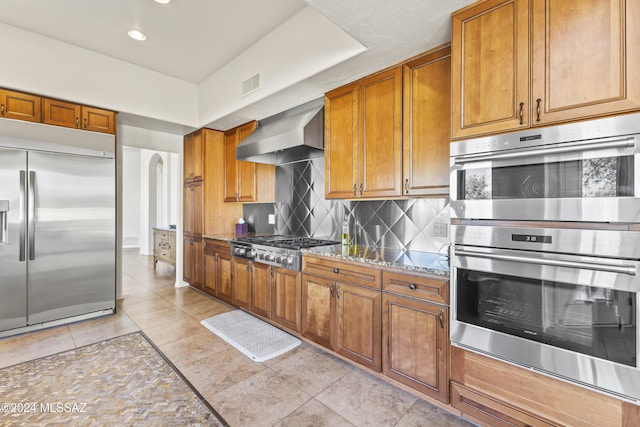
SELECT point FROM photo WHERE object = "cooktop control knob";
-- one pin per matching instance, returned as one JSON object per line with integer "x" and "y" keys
{"x": 252, "y": 253}
{"x": 271, "y": 257}
{"x": 290, "y": 260}
{"x": 240, "y": 251}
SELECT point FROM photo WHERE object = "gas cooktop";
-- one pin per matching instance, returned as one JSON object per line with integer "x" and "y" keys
{"x": 276, "y": 250}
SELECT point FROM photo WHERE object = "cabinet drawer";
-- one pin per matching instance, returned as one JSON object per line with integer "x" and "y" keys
{"x": 211, "y": 247}
{"x": 490, "y": 410}
{"x": 363, "y": 275}
{"x": 416, "y": 286}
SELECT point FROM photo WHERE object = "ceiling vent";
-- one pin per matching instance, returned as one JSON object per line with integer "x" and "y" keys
{"x": 251, "y": 85}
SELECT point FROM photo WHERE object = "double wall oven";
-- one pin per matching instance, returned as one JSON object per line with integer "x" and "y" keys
{"x": 545, "y": 257}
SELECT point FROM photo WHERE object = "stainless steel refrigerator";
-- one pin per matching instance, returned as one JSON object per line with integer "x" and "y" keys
{"x": 57, "y": 225}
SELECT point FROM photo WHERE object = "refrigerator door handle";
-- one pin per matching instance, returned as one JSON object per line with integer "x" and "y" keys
{"x": 23, "y": 226}
{"x": 32, "y": 215}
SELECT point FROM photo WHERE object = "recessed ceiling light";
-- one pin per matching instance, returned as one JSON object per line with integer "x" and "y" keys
{"x": 137, "y": 35}
{"x": 163, "y": 1}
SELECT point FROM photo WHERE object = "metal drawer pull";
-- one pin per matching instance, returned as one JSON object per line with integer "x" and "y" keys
{"x": 616, "y": 142}
{"x": 412, "y": 286}
{"x": 336, "y": 270}
{"x": 623, "y": 269}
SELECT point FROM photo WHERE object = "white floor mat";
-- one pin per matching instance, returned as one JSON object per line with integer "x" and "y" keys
{"x": 256, "y": 339}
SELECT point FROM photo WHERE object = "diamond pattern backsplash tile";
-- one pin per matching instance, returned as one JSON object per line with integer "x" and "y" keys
{"x": 302, "y": 210}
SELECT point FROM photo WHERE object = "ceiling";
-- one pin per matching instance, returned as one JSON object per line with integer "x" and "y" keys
{"x": 192, "y": 39}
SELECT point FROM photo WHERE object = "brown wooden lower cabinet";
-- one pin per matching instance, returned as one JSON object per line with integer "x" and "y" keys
{"x": 285, "y": 298}
{"x": 501, "y": 394}
{"x": 339, "y": 315}
{"x": 217, "y": 259}
{"x": 416, "y": 337}
{"x": 193, "y": 261}
{"x": 241, "y": 273}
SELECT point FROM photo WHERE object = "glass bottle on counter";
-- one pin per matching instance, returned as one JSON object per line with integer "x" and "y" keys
{"x": 346, "y": 238}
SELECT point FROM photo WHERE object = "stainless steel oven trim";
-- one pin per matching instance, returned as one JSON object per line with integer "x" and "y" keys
{"x": 620, "y": 144}
{"x": 610, "y": 377}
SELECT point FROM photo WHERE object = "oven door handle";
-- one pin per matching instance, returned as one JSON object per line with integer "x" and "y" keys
{"x": 622, "y": 269}
{"x": 601, "y": 144}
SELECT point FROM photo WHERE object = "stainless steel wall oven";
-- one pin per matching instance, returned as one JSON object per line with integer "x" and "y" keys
{"x": 577, "y": 172}
{"x": 545, "y": 255}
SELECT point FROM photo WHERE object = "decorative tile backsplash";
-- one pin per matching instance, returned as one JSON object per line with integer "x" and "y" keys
{"x": 302, "y": 210}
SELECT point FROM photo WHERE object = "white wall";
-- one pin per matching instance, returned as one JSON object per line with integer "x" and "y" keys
{"x": 131, "y": 197}
{"x": 169, "y": 147}
{"x": 44, "y": 66}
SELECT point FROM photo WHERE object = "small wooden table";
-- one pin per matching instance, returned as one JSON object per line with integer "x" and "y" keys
{"x": 164, "y": 245}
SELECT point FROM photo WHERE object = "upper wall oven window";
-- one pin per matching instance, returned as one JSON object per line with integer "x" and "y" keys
{"x": 597, "y": 177}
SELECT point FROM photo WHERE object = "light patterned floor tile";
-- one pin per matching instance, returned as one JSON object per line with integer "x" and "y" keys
{"x": 313, "y": 414}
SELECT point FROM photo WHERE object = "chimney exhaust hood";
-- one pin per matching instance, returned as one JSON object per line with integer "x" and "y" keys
{"x": 292, "y": 136}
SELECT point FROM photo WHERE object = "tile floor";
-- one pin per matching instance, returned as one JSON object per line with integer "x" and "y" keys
{"x": 304, "y": 387}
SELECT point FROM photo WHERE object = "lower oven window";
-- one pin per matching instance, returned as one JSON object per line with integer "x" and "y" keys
{"x": 599, "y": 322}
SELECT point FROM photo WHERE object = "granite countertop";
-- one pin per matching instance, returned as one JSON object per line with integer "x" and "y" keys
{"x": 424, "y": 262}
{"x": 165, "y": 228}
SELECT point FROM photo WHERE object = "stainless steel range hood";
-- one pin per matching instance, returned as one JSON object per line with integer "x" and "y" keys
{"x": 288, "y": 137}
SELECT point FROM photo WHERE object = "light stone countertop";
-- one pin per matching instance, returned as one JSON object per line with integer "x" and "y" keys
{"x": 423, "y": 262}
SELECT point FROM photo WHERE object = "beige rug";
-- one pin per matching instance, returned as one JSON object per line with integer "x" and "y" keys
{"x": 254, "y": 338}
{"x": 121, "y": 381}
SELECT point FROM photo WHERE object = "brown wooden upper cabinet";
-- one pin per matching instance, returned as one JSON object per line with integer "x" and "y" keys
{"x": 67, "y": 114}
{"x": 427, "y": 123}
{"x": 246, "y": 181}
{"x": 20, "y": 106}
{"x": 517, "y": 64}
{"x": 363, "y": 137}
{"x": 193, "y": 157}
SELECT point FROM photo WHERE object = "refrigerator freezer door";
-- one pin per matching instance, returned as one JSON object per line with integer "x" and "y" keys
{"x": 13, "y": 271}
{"x": 71, "y": 236}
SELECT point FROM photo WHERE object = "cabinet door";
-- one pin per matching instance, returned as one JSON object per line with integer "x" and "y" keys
{"x": 490, "y": 68}
{"x": 20, "y": 106}
{"x": 61, "y": 113}
{"x": 212, "y": 273}
{"x": 230, "y": 167}
{"x": 197, "y": 212}
{"x": 341, "y": 142}
{"x": 224, "y": 288}
{"x": 188, "y": 154}
{"x": 246, "y": 170}
{"x": 98, "y": 120}
{"x": 241, "y": 276}
{"x": 416, "y": 339}
{"x": 427, "y": 124}
{"x": 358, "y": 334}
{"x": 286, "y": 291}
{"x": 198, "y": 264}
{"x": 188, "y": 197}
{"x": 187, "y": 259}
{"x": 380, "y": 137}
{"x": 261, "y": 289}
{"x": 586, "y": 59}
{"x": 318, "y": 310}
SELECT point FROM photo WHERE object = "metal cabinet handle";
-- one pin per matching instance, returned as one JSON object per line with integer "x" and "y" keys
{"x": 23, "y": 204}
{"x": 406, "y": 186}
{"x": 440, "y": 318}
{"x": 338, "y": 291}
{"x": 272, "y": 271}
{"x": 31, "y": 215}
{"x": 360, "y": 189}
{"x": 77, "y": 122}
{"x": 85, "y": 122}
{"x": 412, "y": 286}
{"x": 2, "y": 109}
{"x": 538, "y": 101}
{"x": 332, "y": 290}
{"x": 336, "y": 270}
{"x": 522, "y": 113}
{"x": 355, "y": 191}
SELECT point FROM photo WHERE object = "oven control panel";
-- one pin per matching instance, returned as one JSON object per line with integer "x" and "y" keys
{"x": 277, "y": 257}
